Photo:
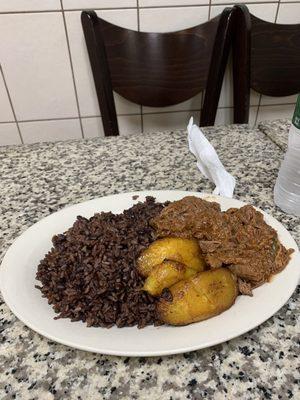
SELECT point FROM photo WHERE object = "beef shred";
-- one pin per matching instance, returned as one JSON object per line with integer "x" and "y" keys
{"x": 238, "y": 238}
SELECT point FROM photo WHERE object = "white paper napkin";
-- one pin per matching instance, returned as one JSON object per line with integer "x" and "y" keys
{"x": 208, "y": 161}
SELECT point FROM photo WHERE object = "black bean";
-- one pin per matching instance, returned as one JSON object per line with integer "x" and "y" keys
{"x": 90, "y": 273}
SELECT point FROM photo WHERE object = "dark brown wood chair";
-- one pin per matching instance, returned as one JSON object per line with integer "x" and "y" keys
{"x": 157, "y": 69}
{"x": 266, "y": 58}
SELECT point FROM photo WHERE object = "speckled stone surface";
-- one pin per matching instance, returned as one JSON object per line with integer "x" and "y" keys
{"x": 277, "y": 131}
{"x": 39, "y": 179}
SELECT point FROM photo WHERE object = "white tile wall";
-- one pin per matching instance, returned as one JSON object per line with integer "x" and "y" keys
{"x": 264, "y": 11}
{"x": 265, "y": 100}
{"x": 34, "y": 58}
{"x": 161, "y": 3}
{"x": 38, "y": 51}
{"x": 171, "y": 19}
{"x": 41, "y": 131}
{"x": 168, "y": 121}
{"x": 128, "y": 125}
{"x": 225, "y": 115}
{"x": 287, "y": 13}
{"x": 6, "y": 113}
{"x": 92, "y": 127}
{"x": 92, "y": 4}
{"x": 9, "y": 134}
{"x": 28, "y": 5}
{"x": 87, "y": 98}
{"x": 275, "y": 112}
{"x": 238, "y": 1}
{"x": 226, "y": 96}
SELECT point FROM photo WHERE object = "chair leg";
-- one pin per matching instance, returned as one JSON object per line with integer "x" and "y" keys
{"x": 101, "y": 74}
{"x": 217, "y": 68}
{"x": 110, "y": 124}
{"x": 241, "y": 64}
{"x": 241, "y": 90}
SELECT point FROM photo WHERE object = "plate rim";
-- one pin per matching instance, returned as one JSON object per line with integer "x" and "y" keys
{"x": 247, "y": 328}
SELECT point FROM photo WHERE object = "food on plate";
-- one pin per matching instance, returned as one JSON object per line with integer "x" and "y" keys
{"x": 200, "y": 297}
{"x": 165, "y": 275}
{"x": 155, "y": 263}
{"x": 180, "y": 218}
{"x": 90, "y": 274}
{"x": 185, "y": 251}
{"x": 238, "y": 238}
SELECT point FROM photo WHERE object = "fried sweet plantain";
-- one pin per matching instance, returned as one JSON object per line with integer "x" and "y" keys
{"x": 200, "y": 297}
{"x": 185, "y": 251}
{"x": 165, "y": 275}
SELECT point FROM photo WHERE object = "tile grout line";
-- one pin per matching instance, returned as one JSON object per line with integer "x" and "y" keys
{"x": 133, "y": 114}
{"x": 144, "y": 7}
{"x": 226, "y": 3}
{"x": 66, "y": 10}
{"x": 46, "y": 119}
{"x": 277, "y": 11}
{"x": 138, "y": 14}
{"x": 139, "y": 27}
{"x": 71, "y": 65}
{"x": 11, "y": 104}
{"x": 209, "y": 10}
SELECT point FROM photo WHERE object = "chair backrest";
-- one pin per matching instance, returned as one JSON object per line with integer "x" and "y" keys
{"x": 266, "y": 58}
{"x": 156, "y": 69}
{"x": 275, "y": 58}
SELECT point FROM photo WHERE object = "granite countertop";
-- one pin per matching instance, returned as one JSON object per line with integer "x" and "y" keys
{"x": 39, "y": 179}
{"x": 277, "y": 131}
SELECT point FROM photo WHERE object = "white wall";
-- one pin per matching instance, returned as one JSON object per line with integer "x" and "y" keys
{"x": 46, "y": 86}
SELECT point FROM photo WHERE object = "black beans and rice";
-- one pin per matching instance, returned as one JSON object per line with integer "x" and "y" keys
{"x": 90, "y": 273}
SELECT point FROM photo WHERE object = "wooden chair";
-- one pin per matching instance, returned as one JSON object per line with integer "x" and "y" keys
{"x": 266, "y": 58}
{"x": 157, "y": 69}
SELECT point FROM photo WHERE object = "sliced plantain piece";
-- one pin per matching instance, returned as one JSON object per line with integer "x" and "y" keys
{"x": 185, "y": 251}
{"x": 165, "y": 275}
{"x": 200, "y": 297}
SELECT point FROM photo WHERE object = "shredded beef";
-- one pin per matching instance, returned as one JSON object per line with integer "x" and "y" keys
{"x": 239, "y": 239}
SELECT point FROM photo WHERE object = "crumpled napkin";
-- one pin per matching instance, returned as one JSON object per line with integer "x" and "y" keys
{"x": 208, "y": 161}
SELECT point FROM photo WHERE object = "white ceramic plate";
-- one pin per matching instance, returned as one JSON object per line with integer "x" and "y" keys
{"x": 17, "y": 280}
